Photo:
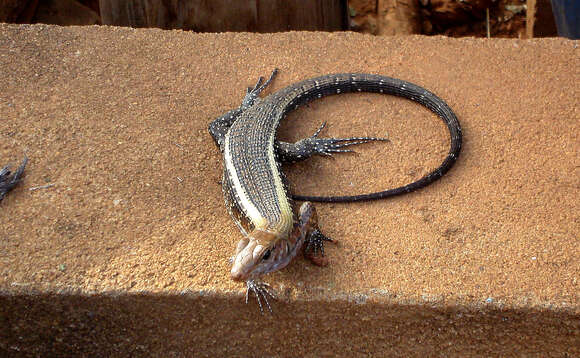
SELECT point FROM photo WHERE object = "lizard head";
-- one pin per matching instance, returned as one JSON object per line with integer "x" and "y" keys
{"x": 259, "y": 253}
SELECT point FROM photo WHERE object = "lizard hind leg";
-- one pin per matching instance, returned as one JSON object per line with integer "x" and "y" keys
{"x": 305, "y": 148}
{"x": 313, "y": 238}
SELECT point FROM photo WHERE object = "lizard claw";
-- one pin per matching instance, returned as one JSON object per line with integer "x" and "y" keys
{"x": 256, "y": 86}
{"x": 316, "y": 241}
{"x": 315, "y": 244}
{"x": 319, "y": 130}
{"x": 253, "y": 93}
{"x": 261, "y": 290}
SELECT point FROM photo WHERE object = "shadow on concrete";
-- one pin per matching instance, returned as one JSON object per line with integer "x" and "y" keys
{"x": 194, "y": 324}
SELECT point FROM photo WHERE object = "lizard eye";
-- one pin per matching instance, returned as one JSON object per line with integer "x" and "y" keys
{"x": 267, "y": 255}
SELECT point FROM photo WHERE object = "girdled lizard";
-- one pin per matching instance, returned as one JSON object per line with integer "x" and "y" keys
{"x": 254, "y": 187}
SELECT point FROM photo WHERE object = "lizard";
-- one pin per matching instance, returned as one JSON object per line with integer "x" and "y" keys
{"x": 255, "y": 189}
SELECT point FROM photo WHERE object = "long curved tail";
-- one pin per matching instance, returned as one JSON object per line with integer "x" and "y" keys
{"x": 392, "y": 86}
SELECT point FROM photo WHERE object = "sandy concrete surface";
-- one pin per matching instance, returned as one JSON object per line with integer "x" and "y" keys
{"x": 126, "y": 253}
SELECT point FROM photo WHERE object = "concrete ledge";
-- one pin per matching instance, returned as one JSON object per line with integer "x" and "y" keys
{"x": 174, "y": 325}
{"x": 126, "y": 254}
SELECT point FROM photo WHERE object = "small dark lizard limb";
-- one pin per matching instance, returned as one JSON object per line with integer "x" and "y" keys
{"x": 8, "y": 180}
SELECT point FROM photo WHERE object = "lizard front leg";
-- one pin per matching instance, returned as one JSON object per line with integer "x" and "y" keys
{"x": 307, "y": 230}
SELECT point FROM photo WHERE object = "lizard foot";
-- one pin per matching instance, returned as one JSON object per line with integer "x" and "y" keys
{"x": 8, "y": 182}
{"x": 328, "y": 146}
{"x": 261, "y": 290}
{"x": 253, "y": 93}
{"x": 314, "y": 246}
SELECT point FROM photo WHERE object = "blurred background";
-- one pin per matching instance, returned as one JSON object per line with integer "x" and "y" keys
{"x": 456, "y": 18}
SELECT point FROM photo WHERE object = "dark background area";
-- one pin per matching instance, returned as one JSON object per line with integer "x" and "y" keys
{"x": 455, "y": 18}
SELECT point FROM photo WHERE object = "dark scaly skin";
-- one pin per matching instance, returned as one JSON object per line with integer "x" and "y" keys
{"x": 266, "y": 115}
{"x": 7, "y": 181}
{"x": 253, "y": 184}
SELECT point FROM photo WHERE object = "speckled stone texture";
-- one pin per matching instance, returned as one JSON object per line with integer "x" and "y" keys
{"x": 126, "y": 254}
